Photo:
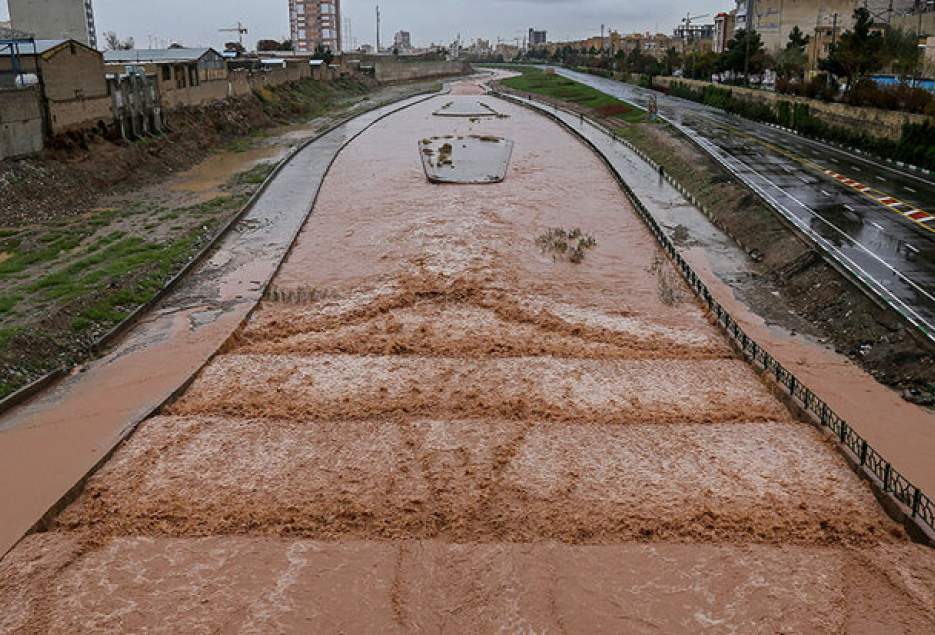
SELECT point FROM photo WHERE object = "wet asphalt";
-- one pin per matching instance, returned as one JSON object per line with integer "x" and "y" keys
{"x": 857, "y": 209}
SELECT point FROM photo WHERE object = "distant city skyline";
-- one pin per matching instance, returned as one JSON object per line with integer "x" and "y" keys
{"x": 195, "y": 24}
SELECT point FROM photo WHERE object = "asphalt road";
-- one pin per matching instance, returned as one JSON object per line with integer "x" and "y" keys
{"x": 871, "y": 218}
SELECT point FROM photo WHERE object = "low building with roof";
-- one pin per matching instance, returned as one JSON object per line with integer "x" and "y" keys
{"x": 70, "y": 77}
{"x": 186, "y": 76}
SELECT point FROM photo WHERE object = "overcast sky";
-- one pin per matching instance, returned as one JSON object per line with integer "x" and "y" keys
{"x": 195, "y": 22}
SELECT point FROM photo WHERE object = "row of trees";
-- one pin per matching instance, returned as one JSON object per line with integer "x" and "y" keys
{"x": 855, "y": 55}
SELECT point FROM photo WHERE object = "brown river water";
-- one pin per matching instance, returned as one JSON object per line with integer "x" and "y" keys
{"x": 432, "y": 425}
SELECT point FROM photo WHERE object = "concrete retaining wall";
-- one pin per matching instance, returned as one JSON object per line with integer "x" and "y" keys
{"x": 886, "y": 124}
{"x": 391, "y": 70}
{"x": 20, "y": 123}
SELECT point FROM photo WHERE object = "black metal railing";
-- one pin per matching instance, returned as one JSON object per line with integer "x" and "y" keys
{"x": 889, "y": 480}
{"x": 920, "y": 506}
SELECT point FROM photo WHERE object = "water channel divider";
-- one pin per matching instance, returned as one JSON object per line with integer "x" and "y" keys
{"x": 903, "y": 501}
{"x": 43, "y": 523}
{"x": 96, "y": 348}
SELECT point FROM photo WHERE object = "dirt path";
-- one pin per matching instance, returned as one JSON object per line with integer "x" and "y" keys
{"x": 432, "y": 424}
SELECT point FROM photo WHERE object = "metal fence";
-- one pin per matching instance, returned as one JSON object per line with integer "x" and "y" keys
{"x": 890, "y": 481}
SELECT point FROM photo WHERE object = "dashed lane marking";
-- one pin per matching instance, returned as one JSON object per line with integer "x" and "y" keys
{"x": 920, "y": 217}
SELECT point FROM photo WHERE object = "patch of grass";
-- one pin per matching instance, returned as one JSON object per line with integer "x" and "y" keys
{"x": 537, "y": 81}
{"x": 45, "y": 252}
{"x": 7, "y": 302}
{"x": 240, "y": 144}
{"x": 255, "y": 175}
{"x": 8, "y": 333}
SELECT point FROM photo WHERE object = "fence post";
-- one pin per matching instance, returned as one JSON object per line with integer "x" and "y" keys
{"x": 843, "y": 432}
{"x": 916, "y": 502}
{"x": 863, "y": 453}
{"x": 886, "y": 478}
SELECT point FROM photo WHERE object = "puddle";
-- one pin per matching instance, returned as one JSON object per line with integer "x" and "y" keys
{"x": 469, "y": 159}
{"x": 206, "y": 179}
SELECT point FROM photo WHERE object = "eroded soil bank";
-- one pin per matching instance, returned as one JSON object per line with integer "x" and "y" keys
{"x": 432, "y": 424}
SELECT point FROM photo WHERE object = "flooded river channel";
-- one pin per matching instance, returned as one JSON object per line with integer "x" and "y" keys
{"x": 432, "y": 423}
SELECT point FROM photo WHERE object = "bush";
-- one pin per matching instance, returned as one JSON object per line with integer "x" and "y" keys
{"x": 916, "y": 145}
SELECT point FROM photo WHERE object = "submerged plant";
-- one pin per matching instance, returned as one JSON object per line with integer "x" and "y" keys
{"x": 567, "y": 244}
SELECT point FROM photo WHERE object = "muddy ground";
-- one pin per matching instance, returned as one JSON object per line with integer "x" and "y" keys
{"x": 434, "y": 424}
{"x": 93, "y": 228}
{"x": 824, "y": 303}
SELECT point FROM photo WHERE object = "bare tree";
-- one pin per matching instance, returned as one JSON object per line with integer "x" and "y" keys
{"x": 113, "y": 42}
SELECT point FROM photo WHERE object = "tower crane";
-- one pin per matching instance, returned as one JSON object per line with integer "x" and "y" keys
{"x": 687, "y": 21}
{"x": 240, "y": 30}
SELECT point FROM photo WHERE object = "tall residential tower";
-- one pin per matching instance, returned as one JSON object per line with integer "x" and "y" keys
{"x": 55, "y": 19}
{"x": 315, "y": 22}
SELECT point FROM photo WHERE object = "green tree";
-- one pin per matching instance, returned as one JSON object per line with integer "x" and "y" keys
{"x": 322, "y": 53}
{"x": 673, "y": 60}
{"x": 792, "y": 60}
{"x": 901, "y": 50}
{"x": 744, "y": 56}
{"x": 857, "y": 53}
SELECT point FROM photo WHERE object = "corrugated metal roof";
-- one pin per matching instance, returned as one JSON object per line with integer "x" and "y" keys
{"x": 156, "y": 55}
{"x": 25, "y": 47}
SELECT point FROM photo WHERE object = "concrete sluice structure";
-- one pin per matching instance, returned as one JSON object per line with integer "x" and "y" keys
{"x": 432, "y": 425}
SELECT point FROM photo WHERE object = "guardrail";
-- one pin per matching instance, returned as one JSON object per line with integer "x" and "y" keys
{"x": 918, "y": 506}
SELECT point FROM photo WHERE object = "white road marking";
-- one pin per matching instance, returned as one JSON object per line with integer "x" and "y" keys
{"x": 849, "y": 208}
{"x": 854, "y": 167}
{"x": 878, "y": 226}
{"x": 909, "y": 189}
{"x": 825, "y": 193}
{"x": 804, "y": 179}
{"x": 912, "y": 248}
{"x": 880, "y": 178}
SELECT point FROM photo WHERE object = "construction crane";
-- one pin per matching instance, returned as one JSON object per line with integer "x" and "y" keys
{"x": 240, "y": 30}
{"x": 687, "y": 21}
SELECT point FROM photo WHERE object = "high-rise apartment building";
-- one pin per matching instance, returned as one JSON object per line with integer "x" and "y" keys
{"x": 537, "y": 38}
{"x": 315, "y": 22}
{"x": 402, "y": 41}
{"x": 55, "y": 19}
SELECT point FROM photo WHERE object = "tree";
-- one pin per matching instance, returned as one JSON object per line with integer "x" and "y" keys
{"x": 273, "y": 45}
{"x": 322, "y": 53}
{"x": 744, "y": 55}
{"x": 792, "y": 60}
{"x": 857, "y": 53}
{"x": 673, "y": 60}
{"x": 901, "y": 49}
{"x": 114, "y": 43}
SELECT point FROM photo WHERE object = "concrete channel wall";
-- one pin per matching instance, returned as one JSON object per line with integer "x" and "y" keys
{"x": 182, "y": 336}
{"x": 887, "y": 124}
{"x": 397, "y": 71}
{"x": 20, "y": 123}
{"x": 905, "y": 502}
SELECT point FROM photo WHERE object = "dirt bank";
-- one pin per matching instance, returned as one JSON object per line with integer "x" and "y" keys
{"x": 92, "y": 229}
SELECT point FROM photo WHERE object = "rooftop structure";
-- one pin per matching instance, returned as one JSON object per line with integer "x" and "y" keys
{"x": 55, "y": 19}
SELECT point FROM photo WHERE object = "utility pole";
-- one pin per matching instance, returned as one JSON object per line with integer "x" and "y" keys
{"x": 378, "y": 29}
{"x": 603, "y": 43}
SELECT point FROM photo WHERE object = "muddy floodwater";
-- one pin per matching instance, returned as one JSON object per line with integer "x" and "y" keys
{"x": 435, "y": 424}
